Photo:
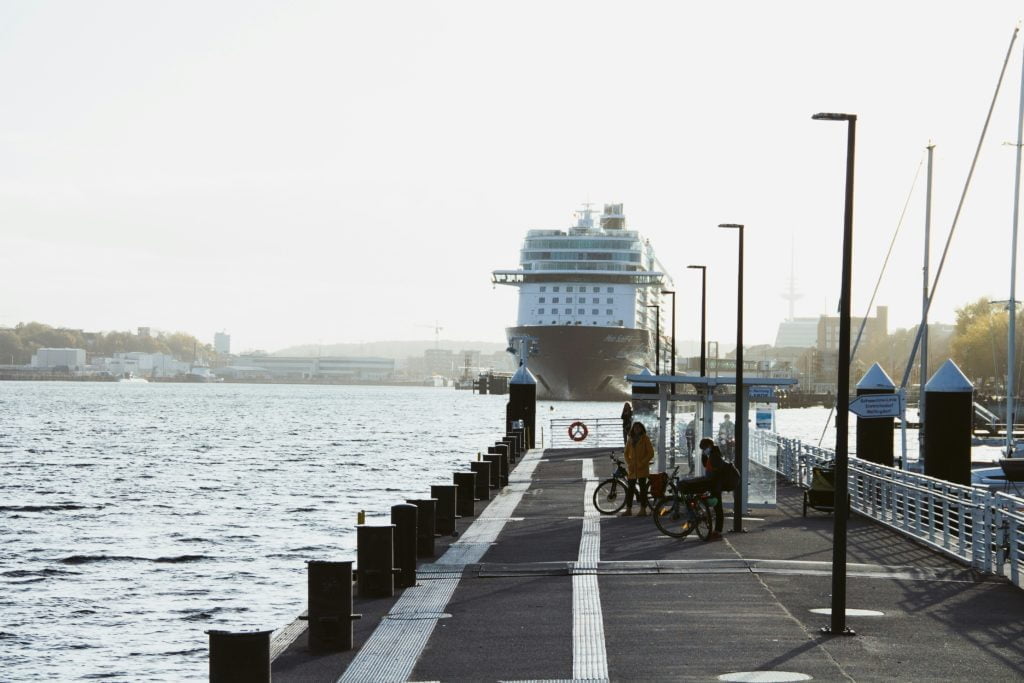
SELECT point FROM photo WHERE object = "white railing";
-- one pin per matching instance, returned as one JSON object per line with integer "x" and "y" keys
{"x": 595, "y": 432}
{"x": 973, "y": 525}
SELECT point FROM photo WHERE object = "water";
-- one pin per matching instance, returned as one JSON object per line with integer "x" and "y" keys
{"x": 133, "y": 517}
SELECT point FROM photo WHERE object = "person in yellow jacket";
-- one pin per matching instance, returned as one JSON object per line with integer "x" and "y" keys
{"x": 639, "y": 453}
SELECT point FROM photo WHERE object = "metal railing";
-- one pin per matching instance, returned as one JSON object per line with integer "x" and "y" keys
{"x": 976, "y": 526}
{"x": 585, "y": 432}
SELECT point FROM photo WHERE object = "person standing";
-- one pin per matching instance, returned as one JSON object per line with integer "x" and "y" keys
{"x": 639, "y": 454}
{"x": 627, "y": 420}
{"x": 713, "y": 481}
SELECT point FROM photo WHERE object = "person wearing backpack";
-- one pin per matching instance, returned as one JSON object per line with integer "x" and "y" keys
{"x": 717, "y": 477}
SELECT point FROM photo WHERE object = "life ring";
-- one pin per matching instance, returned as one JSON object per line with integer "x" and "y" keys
{"x": 578, "y": 431}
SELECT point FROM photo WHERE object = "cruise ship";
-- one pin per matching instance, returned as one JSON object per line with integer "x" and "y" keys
{"x": 589, "y": 302}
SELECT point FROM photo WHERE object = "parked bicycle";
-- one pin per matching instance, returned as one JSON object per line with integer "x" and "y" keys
{"x": 679, "y": 513}
{"x": 610, "y": 495}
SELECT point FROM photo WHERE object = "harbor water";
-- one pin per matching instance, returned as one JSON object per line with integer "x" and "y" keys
{"x": 133, "y": 517}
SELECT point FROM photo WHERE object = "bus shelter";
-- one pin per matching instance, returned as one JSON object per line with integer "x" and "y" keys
{"x": 658, "y": 396}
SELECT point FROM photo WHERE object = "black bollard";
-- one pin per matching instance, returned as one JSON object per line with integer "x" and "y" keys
{"x": 513, "y": 451}
{"x": 375, "y": 554}
{"x": 875, "y": 434}
{"x": 495, "y": 472}
{"x": 504, "y": 448}
{"x": 444, "y": 522}
{"x": 522, "y": 400}
{"x": 405, "y": 517}
{"x": 948, "y": 409}
{"x": 329, "y": 603}
{"x": 466, "y": 481}
{"x": 236, "y": 657}
{"x": 483, "y": 479}
{"x": 425, "y": 526}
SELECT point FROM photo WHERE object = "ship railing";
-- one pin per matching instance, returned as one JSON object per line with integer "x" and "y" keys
{"x": 585, "y": 432}
{"x": 976, "y": 526}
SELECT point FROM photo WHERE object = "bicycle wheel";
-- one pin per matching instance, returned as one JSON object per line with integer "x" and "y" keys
{"x": 704, "y": 519}
{"x": 672, "y": 518}
{"x": 610, "y": 497}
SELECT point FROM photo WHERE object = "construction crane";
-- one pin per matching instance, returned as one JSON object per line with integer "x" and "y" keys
{"x": 437, "y": 333}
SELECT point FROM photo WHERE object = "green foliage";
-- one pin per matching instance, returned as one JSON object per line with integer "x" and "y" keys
{"x": 980, "y": 342}
{"x": 17, "y": 345}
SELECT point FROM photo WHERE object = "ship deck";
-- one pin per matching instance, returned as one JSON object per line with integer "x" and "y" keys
{"x": 539, "y": 587}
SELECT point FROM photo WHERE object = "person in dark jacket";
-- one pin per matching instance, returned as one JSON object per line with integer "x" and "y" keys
{"x": 627, "y": 420}
{"x": 712, "y": 481}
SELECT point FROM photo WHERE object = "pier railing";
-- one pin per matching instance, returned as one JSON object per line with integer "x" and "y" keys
{"x": 976, "y": 526}
{"x": 585, "y": 432}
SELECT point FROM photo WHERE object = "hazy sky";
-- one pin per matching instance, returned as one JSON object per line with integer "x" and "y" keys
{"x": 337, "y": 171}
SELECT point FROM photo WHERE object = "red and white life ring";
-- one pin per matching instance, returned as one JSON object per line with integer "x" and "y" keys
{"x": 578, "y": 431}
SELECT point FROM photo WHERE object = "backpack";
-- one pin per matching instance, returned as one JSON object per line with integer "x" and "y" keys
{"x": 730, "y": 477}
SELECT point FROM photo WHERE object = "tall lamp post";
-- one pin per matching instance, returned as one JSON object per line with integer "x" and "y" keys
{"x": 657, "y": 337}
{"x": 673, "y": 362}
{"x": 703, "y": 317}
{"x": 741, "y": 489}
{"x": 838, "y": 621}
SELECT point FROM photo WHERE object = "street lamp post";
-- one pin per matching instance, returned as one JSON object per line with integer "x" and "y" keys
{"x": 657, "y": 337}
{"x": 741, "y": 419}
{"x": 703, "y": 317}
{"x": 838, "y": 620}
{"x": 673, "y": 362}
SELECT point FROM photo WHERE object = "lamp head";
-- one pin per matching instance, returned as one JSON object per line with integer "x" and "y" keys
{"x": 730, "y": 225}
{"x": 667, "y": 291}
{"x": 701, "y": 267}
{"x": 832, "y": 116}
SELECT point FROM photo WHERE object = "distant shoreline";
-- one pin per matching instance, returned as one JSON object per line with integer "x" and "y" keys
{"x": 24, "y": 377}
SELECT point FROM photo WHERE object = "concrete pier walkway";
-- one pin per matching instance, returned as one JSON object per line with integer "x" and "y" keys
{"x": 541, "y": 588}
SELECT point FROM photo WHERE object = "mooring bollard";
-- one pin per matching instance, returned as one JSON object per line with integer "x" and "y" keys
{"x": 329, "y": 608}
{"x": 405, "y": 517}
{"x": 425, "y": 523}
{"x": 466, "y": 481}
{"x": 503, "y": 449}
{"x": 483, "y": 479}
{"x": 375, "y": 554}
{"x": 494, "y": 477}
{"x": 513, "y": 447}
{"x": 242, "y": 656}
{"x": 444, "y": 520}
{"x": 948, "y": 415}
{"x": 874, "y": 434}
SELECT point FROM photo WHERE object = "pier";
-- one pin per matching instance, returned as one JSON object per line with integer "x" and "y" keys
{"x": 539, "y": 586}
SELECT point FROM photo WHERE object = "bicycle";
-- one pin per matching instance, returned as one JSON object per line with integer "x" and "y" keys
{"x": 679, "y": 513}
{"x": 610, "y": 495}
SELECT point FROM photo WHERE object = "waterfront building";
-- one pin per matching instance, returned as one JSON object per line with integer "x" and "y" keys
{"x": 324, "y": 367}
{"x": 71, "y": 359}
{"x": 222, "y": 343}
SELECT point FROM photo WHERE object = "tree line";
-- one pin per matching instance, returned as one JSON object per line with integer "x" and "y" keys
{"x": 977, "y": 345}
{"x": 17, "y": 344}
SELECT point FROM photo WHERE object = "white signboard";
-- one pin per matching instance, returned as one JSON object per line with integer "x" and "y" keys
{"x": 763, "y": 417}
{"x": 876, "y": 405}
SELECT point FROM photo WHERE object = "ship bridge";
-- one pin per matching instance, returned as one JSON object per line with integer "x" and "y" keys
{"x": 519, "y": 277}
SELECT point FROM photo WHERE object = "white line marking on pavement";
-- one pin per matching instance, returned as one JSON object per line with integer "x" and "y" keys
{"x": 391, "y": 652}
{"x": 589, "y": 656}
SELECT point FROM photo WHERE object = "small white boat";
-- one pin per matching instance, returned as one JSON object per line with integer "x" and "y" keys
{"x": 129, "y": 378}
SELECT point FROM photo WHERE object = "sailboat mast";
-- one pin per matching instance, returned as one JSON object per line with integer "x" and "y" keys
{"x": 1011, "y": 346}
{"x": 924, "y": 308}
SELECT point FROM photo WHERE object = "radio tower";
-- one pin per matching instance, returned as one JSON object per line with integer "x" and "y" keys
{"x": 792, "y": 295}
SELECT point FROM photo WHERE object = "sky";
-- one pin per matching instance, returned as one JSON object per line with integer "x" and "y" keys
{"x": 324, "y": 172}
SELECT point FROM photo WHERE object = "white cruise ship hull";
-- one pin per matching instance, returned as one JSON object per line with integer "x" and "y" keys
{"x": 580, "y": 363}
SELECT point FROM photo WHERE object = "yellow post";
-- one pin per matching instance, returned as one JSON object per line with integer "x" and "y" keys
{"x": 361, "y": 517}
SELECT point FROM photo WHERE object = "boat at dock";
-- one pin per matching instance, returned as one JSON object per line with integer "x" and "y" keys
{"x": 589, "y": 297}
